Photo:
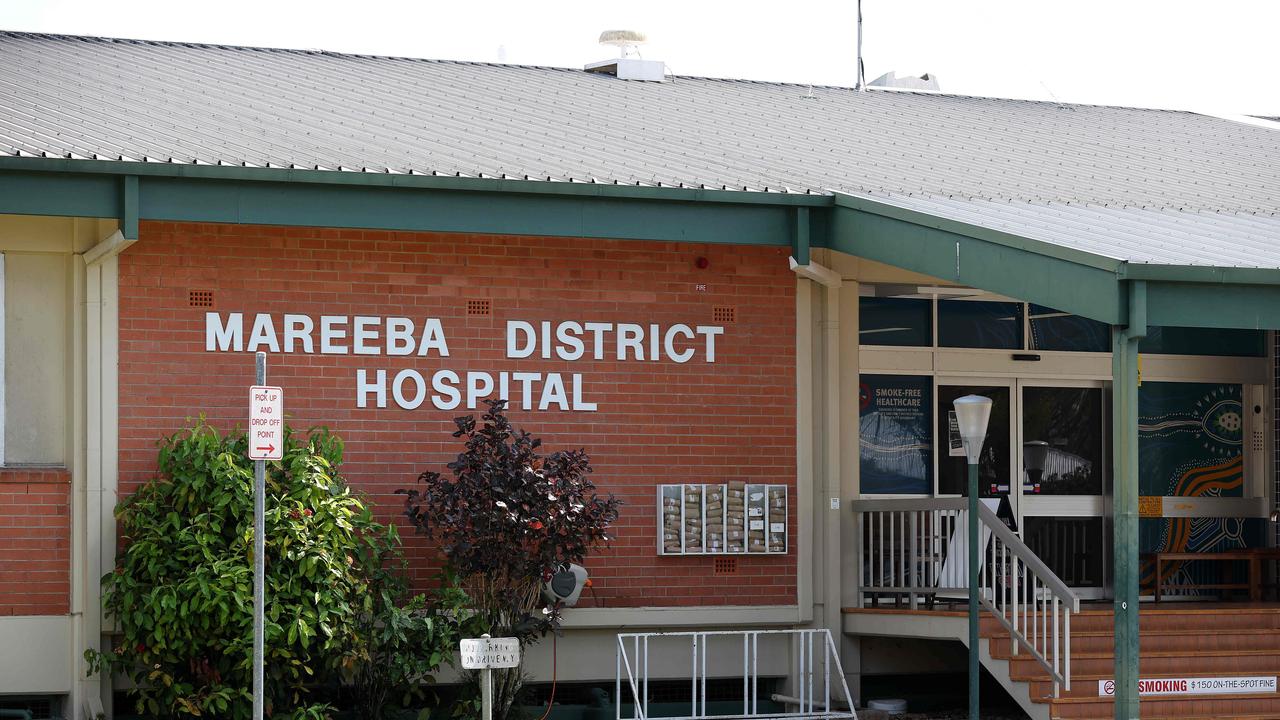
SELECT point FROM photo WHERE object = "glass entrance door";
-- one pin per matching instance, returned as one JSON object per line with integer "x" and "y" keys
{"x": 1047, "y": 460}
{"x": 996, "y": 477}
{"x": 1065, "y": 474}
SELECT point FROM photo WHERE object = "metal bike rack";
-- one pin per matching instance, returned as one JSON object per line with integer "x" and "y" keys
{"x": 817, "y": 671}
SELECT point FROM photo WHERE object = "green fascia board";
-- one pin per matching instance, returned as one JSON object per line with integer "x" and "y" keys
{"x": 400, "y": 180}
{"x": 1005, "y": 268}
{"x": 978, "y": 232}
{"x": 1248, "y": 307}
{"x": 1000, "y": 262}
{"x": 308, "y": 205}
{"x": 610, "y": 214}
{"x": 26, "y": 193}
{"x": 1201, "y": 274}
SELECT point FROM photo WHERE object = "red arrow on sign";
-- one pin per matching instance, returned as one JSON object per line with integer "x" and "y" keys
{"x": 268, "y": 449}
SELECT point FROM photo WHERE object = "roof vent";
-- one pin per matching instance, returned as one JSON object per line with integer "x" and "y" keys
{"x": 927, "y": 81}
{"x": 628, "y": 65}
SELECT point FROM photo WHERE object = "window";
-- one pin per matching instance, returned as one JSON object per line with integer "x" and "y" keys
{"x": 1062, "y": 441}
{"x": 895, "y": 321}
{"x": 980, "y": 324}
{"x": 1204, "y": 341}
{"x": 1055, "y": 330}
{"x": 993, "y": 464}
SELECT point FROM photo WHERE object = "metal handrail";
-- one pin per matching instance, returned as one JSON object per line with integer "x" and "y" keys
{"x": 913, "y": 548}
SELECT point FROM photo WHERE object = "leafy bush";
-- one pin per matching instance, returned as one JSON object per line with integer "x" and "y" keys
{"x": 182, "y": 591}
{"x": 405, "y": 640}
{"x": 506, "y": 519}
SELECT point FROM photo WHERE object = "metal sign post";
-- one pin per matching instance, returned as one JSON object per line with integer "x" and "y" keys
{"x": 266, "y": 440}
{"x": 484, "y": 654}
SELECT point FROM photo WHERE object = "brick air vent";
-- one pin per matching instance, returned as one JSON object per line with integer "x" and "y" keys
{"x": 724, "y": 314}
{"x": 479, "y": 308}
{"x": 726, "y": 566}
{"x": 200, "y": 298}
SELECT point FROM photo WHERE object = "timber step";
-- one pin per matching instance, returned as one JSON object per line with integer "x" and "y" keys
{"x": 1026, "y": 669}
{"x": 1085, "y": 685}
{"x": 1177, "y": 640}
{"x": 1181, "y": 706}
{"x": 1193, "y": 641}
{"x": 1156, "y": 645}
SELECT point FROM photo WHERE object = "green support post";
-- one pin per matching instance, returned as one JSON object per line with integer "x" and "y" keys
{"x": 129, "y": 207}
{"x": 800, "y": 243}
{"x": 1124, "y": 404}
{"x": 974, "y": 662}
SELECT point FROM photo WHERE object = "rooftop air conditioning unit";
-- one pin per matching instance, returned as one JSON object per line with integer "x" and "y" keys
{"x": 927, "y": 81}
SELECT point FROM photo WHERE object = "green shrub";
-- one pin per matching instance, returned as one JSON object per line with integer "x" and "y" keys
{"x": 506, "y": 517}
{"x": 182, "y": 591}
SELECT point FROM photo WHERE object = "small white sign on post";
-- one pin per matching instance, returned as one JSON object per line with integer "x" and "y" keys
{"x": 487, "y": 654}
{"x": 266, "y": 423}
{"x": 490, "y": 653}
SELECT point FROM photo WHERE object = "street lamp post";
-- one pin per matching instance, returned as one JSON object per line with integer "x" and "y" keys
{"x": 972, "y": 414}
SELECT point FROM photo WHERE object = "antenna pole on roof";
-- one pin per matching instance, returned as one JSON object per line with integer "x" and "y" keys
{"x": 861, "y": 76}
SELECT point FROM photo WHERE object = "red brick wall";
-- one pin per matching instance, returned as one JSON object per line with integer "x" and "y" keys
{"x": 35, "y": 542}
{"x": 658, "y": 422}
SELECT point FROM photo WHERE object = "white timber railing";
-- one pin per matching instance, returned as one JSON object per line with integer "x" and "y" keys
{"x": 917, "y": 550}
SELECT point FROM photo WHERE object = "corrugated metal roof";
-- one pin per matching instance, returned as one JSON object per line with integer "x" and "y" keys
{"x": 1184, "y": 181}
{"x": 1163, "y": 236}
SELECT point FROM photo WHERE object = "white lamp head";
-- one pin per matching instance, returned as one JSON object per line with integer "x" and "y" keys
{"x": 972, "y": 414}
{"x": 1035, "y": 453}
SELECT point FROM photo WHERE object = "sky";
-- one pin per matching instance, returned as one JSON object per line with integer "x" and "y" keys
{"x": 1218, "y": 57}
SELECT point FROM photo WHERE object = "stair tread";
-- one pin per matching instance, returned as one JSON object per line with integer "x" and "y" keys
{"x": 1252, "y": 672}
{"x": 1166, "y": 611}
{"x": 1155, "y": 654}
{"x": 1175, "y": 632}
{"x": 1216, "y": 716}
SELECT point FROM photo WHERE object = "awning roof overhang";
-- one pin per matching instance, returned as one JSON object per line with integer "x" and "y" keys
{"x": 1065, "y": 278}
{"x": 1008, "y": 263}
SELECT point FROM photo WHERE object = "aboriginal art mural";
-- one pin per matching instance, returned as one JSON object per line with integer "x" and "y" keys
{"x": 895, "y": 445}
{"x": 1190, "y": 444}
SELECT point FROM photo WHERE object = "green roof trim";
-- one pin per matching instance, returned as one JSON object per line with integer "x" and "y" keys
{"x": 1034, "y": 270}
{"x": 994, "y": 262}
{"x": 977, "y": 232}
{"x": 401, "y": 180}
{"x": 1201, "y": 274}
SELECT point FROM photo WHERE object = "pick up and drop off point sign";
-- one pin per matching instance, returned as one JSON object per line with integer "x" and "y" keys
{"x": 266, "y": 422}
